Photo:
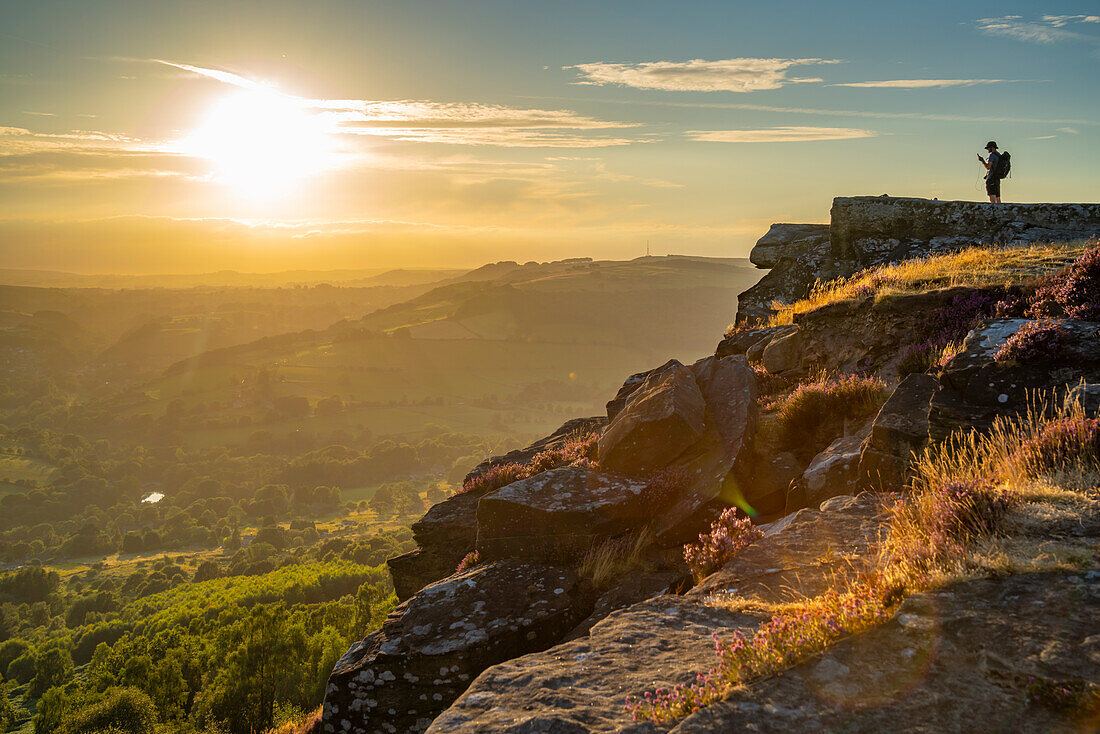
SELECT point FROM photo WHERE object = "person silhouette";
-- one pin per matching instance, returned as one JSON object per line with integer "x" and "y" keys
{"x": 992, "y": 166}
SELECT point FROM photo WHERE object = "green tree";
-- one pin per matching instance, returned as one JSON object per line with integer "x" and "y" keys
{"x": 51, "y": 711}
{"x": 122, "y": 711}
{"x": 55, "y": 668}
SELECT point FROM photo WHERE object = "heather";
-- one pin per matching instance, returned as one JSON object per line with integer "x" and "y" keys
{"x": 577, "y": 451}
{"x": 817, "y": 411}
{"x": 1074, "y": 293}
{"x": 468, "y": 561}
{"x": 1036, "y": 341}
{"x": 728, "y": 535}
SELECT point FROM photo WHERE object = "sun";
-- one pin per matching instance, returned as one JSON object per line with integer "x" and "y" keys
{"x": 262, "y": 143}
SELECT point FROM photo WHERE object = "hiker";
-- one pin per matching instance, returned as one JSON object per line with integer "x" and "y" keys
{"x": 994, "y": 175}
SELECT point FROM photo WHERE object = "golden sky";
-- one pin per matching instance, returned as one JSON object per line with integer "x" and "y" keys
{"x": 199, "y": 136}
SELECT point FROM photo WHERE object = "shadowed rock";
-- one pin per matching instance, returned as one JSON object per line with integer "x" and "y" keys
{"x": 448, "y": 530}
{"x": 432, "y": 646}
{"x": 899, "y": 430}
{"x": 787, "y": 240}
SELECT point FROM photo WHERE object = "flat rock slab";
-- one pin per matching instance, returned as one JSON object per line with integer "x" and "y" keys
{"x": 582, "y": 685}
{"x": 536, "y": 514}
{"x": 965, "y": 658}
{"x": 432, "y": 646}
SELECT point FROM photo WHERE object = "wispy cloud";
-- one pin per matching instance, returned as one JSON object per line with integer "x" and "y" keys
{"x": 1047, "y": 29}
{"x": 447, "y": 123}
{"x": 39, "y": 114}
{"x": 217, "y": 74}
{"x": 697, "y": 75}
{"x": 792, "y": 134}
{"x": 1067, "y": 130}
{"x": 921, "y": 83}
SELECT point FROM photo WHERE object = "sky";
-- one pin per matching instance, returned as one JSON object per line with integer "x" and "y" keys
{"x": 195, "y": 136}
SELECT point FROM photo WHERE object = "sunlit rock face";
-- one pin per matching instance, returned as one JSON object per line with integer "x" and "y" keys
{"x": 432, "y": 646}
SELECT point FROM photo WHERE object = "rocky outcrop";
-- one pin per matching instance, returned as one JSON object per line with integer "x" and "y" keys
{"x": 869, "y": 334}
{"x": 580, "y": 686}
{"x": 1004, "y": 654}
{"x": 872, "y": 230}
{"x": 877, "y": 229}
{"x": 976, "y": 388}
{"x": 432, "y": 646}
{"x": 448, "y": 530}
{"x": 789, "y": 241}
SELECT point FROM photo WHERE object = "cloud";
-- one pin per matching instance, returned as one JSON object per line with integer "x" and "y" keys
{"x": 920, "y": 83}
{"x": 463, "y": 123}
{"x": 697, "y": 75}
{"x": 1048, "y": 29}
{"x": 1043, "y": 137}
{"x": 780, "y": 135}
{"x": 1067, "y": 130}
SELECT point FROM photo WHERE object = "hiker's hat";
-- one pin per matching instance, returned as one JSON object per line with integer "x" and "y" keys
{"x": 991, "y": 144}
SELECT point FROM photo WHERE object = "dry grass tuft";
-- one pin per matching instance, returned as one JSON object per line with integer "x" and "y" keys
{"x": 612, "y": 558}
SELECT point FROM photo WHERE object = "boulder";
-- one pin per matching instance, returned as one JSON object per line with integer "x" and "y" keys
{"x": 740, "y": 342}
{"x": 784, "y": 353}
{"x": 787, "y": 240}
{"x": 899, "y": 430}
{"x": 631, "y": 385}
{"x": 721, "y": 456}
{"x": 976, "y": 388}
{"x": 1001, "y": 654}
{"x": 767, "y": 487}
{"x": 558, "y": 512}
{"x": 629, "y": 590}
{"x": 432, "y": 646}
{"x": 660, "y": 420}
{"x": 832, "y": 472}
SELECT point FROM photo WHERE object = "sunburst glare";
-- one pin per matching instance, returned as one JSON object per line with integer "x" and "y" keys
{"x": 262, "y": 143}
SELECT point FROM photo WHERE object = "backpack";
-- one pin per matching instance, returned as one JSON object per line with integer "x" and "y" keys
{"x": 1004, "y": 165}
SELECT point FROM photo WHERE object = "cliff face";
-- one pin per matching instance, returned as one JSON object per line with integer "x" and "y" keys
{"x": 582, "y": 596}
